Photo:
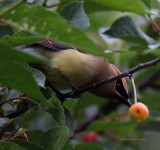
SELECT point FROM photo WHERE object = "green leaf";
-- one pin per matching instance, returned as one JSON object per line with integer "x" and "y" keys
{"x": 119, "y": 128}
{"x": 55, "y": 139}
{"x": 88, "y": 146}
{"x": 8, "y": 54}
{"x": 27, "y": 145}
{"x": 10, "y": 146}
{"x": 30, "y": 115}
{"x": 70, "y": 104}
{"x": 67, "y": 146}
{"x": 88, "y": 99}
{"x": 21, "y": 38}
{"x": 147, "y": 3}
{"x": 74, "y": 12}
{"x": 91, "y": 6}
{"x": 39, "y": 77}
{"x": 69, "y": 122}
{"x": 5, "y": 30}
{"x": 126, "y": 28}
{"x": 57, "y": 112}
{"x": 150, "y": 100}
{"x": 35, "y": 136}
{"x": 41, "y": 22}
{"x": 16, "y": 76}
{"x": 136, "y": 6}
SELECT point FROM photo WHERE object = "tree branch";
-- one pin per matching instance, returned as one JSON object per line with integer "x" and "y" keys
{"x": 50, "y": 6}
{"x": 122, "y": 75}
{"x": 5, "y": 128}
{"x": 112, "y": 78}
{"x": 111, "y": 105}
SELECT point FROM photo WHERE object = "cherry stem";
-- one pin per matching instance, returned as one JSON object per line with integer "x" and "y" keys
{"x": 134, "y": 88}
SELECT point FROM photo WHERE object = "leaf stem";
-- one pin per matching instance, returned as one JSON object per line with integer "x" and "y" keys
{"x": 11, "y": 7}
{"x": 134, "y": 88}
{"x": 154, "y": 24}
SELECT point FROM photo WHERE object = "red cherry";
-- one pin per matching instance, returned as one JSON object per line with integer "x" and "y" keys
{"x": 22, "y": 136}
{"x": 90, "y": 137}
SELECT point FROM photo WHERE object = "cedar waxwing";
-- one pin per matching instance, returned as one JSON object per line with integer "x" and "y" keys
{"x": 80, "y": 68}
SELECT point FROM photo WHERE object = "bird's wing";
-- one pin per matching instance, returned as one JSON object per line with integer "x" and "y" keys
{"x": 54, "y": 46}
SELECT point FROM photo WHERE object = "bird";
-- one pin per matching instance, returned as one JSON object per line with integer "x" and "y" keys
{"x": 69, "y": 66}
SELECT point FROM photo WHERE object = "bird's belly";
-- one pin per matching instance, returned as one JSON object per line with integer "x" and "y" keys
{"x": 55, "y": 75}
{"x": 78, "y": 67}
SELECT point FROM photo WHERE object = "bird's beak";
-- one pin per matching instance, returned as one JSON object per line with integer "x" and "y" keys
{"x": 126, "y": 101}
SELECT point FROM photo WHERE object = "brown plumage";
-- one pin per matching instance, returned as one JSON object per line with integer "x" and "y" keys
{"x": 80, "y": 68}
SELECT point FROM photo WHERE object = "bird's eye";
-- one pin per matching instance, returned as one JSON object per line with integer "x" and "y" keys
{"x": 120, "y": 89}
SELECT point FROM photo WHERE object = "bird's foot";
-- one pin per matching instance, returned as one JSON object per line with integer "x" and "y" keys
{"x": 75, "y": 90}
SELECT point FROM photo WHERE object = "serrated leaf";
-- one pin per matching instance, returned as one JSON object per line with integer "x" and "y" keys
{"x": 74, "y": 12}
{"x": 55, "y": 139}
{"x": 57, "y": 112}
{"x": 39, "y": 77}
{"x": 30, "y": 115}
{"x": 5, "y": 30}
{"x": 27, "y": 145}
{"x": 91, "y": 6}
{"x": 8, "y": 54}
{"x": 147, "y": 3}
{"x": 136, "y": 6}
{"x": 35, "y": 136}
{"x": 67, "y": 146}
{"x": 126, "y": 28}
{"x": 69, "y": 122}
{"x": 17, "y": 40}
{"x": 10, "y": 146}
{"x": 88, "y": 146}
{"x": 16, "y": 76}
{"x": 41, "y": 22}
{"x": 70, "y": 104}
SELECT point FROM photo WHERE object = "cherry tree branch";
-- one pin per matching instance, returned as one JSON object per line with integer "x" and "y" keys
{"x": 111, "y": 105}
{"x": 93, "y": 86}
{"x": 49, "y": 6}
{"x": 122, "y": 75}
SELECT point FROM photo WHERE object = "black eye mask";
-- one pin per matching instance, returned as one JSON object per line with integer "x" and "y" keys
{"x": 120, "y": 89}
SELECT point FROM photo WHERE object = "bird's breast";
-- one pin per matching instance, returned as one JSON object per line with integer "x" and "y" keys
{"x": 78, "y": 67}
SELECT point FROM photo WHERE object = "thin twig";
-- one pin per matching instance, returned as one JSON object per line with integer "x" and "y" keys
{"x": 13, "y": 134}
{"x": 7, "y": 22}
{"x": 12, "y": 99}
{"x": 11, "y": 7}
{"x": 44, "y": 3}
{"x": 112, "y": 105}
{"x": 51, "y": 6}
{"x": 21, "y": 111}
{"x": 122, "y": 75}
{"x": 5, "y": 128}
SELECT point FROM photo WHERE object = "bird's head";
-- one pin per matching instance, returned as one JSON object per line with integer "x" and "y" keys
{"x": 122, "y": 92}
{"x": 114, "y": 90}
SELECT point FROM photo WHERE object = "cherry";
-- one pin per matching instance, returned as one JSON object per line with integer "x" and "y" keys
{"x": 90, "y": 137}
{"x": 22, "y": 136}
{"x": 139, "y": 111}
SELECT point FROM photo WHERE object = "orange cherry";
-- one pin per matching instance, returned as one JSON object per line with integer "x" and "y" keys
{"x": 139, "y": 111}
